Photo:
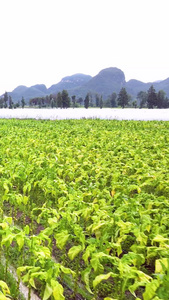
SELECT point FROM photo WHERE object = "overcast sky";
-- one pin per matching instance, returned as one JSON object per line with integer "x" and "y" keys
{"x": 42, "y": 41}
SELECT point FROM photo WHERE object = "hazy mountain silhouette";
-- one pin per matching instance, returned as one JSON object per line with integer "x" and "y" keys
{"x": 70, "y": 83}
{"x": 104, "y": 83}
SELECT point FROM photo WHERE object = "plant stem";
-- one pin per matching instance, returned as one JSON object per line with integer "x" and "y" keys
{"x": 7, "y": 261}
{"x": 29, "y": 293}
{"x": 77, "y": 276}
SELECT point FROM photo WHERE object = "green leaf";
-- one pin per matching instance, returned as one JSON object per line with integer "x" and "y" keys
{"x": 57, "y": 290}
{"x": 22, "y": 269}
{"x": 86, "y": 256}
{"x": 142, "y": 276}
{"x": 161, "y": 265}
{"x": 85, "y": 276}
{"x": 26, "y": 229}
{"x": 20, "y": 240}
{"x": 61, "y": 238}
{"x": 160, "y": 239}
{"x": 43, "y": 252}
{"x": 3, "y": 297}
{"x": 9, "y": 220}
{"x": 101, "y": 277}
{"x": 6, "y": 188}
{"x": 8, "y": 239}
{"x": 151, "y": 289}
{"x": 132, "y": 288}
{"x": 96, "y": 227}
{"x": 4, "y": 225}
{"x": 32, "y": 283}
{"x": 89, "y": 250}
{"x": 141, "y": 237}
{"x": 48, "y": 292}
{"x": 133, "y": 258}
{"x": 4, "y": 287}
{"x": 25, "y": 278}
{"x": 108, "y": 298}
{"x": 26, "y": 268}
{"x": 74, "y": 251}
{"x": 97, "y": 266}
{"x": 52, "y": 221}
{"x": 117, "y": 246}
{"x": 42, "y": 275}
{"x": 25, "y": 200}
{"x": 67, "y": 270}
{"x": 27, "y": 187}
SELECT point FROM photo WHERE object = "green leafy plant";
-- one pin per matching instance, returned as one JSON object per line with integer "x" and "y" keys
{"x": 87, "y": 199}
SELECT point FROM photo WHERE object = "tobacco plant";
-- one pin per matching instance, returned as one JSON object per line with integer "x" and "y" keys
{"x": 87, "y": 199}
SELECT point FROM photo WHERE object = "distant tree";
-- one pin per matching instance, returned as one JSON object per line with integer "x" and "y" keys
{"x": 123, "y": 98}
{"x": 134, "y": 104}
{"x": 59, "y": 100}
{"x": 86, "y": 101}
{"x": 152, "y": 97}
{"x": 23, "y": 102}
{"x": 17, "y": 104}
{"x": 113, "y": 98}
{"x": 33, "y": 101}
{"x": 73, "y": 100}
{"x": 55, "y": 100}
{"x": 30, "y": 102}
{"x": 43, "y": 101}
{"x": 39, "y": 102}
{"x": 47, "y": 100}
{"x": 52, "y": 103}
{"x": 97, "y": 100}
{"x": 65, "y": 99}
{"x": 90, "y": 100}
{"x": 5, "y": 100}
{"x": 166, "y": 103}
{"x": 10, "y": 102}
{"x": 1, "y": 102}
{"x": 142, "y": 99}
{"x": 101, "y": 102}
{"x": 50, "y": 100}
{"x": 80, "y": 100}
{"x": 161, "y": 98}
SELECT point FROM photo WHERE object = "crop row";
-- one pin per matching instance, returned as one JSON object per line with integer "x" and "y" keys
{"x": 87, "y": 206}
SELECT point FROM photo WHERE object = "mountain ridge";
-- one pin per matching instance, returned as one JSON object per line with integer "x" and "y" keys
{"x": 106, "y": 82}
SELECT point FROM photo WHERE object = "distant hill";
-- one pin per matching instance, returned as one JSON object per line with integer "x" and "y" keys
{"x": 70, "y": 83}
{"x": 104, "y": 83}
{"x": 133, "y": 86}
{"x": 162, "y": 85}
{"x": 38, "y": 90}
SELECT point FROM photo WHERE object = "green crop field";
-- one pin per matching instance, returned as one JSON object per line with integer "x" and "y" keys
{"x": 84, "y": 208}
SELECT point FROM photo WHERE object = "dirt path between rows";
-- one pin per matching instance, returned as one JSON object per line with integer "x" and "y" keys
{"x": 22, "y": 288}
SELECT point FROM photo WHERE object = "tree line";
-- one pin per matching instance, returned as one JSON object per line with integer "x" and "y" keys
{"x": 61, "y": 100}
{"x": 144, "y": 99}
{"x": 149, "y": 99}
{"x": 7, "y": 102}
